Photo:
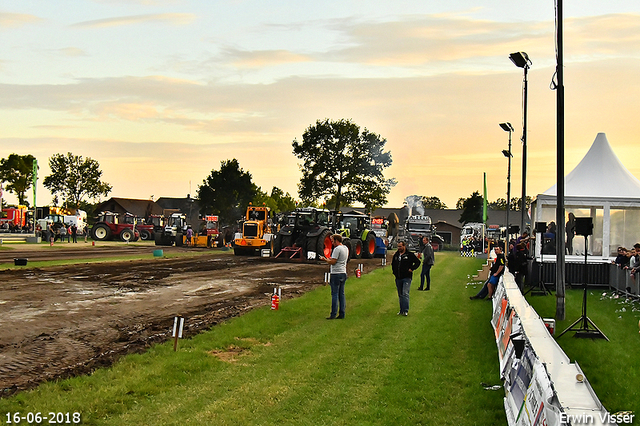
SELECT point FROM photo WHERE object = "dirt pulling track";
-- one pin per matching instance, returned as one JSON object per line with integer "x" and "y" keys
{"x": 69, "y": 320}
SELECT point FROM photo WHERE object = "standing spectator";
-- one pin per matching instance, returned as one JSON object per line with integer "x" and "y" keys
{"x": 634, "y": 264}
{"x": 338, "y": 276}
{"x": 63, "y": 233}
{"x": 520, "y": 264}
{"x": 74, "y": 233}
{"x": 403, "y": 264}
{"x": 571, "y": 232}
{"x": 622, "y": 259}
{"x": 427, "y": 263}
{"x": 189, "y": 235}
{"x": 50, "y": 233}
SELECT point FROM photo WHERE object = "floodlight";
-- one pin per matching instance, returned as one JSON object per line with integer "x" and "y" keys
{"x": 520, "y": 59}
{"x": 507, "y": 127}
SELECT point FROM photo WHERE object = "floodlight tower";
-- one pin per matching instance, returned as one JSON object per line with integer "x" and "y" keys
{"x": 521, "y": 60}
{"x": 507, "y": 127}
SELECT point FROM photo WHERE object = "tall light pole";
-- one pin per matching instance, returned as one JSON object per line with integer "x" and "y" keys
{"x": 560, "y": 187}
{"x": 507, "y": 127}
{"x": 521, "y": 60}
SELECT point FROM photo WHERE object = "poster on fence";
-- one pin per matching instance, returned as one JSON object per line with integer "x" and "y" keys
{"x": 503, "y": 306}
{"x": 538, "y": 409}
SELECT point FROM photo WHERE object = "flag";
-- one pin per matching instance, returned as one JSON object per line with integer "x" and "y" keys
{"x": 35, "y": 180}
{"x": 484, "y": 201}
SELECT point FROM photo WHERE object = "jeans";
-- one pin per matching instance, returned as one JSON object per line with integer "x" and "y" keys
{"x": 403, "y": 285}
{"x": 426, "y": 273}
{"x": 337, "y": 281}
{"x": 484, "y": 291}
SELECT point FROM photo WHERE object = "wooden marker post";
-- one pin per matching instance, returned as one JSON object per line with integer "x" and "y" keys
{"x": 178, "y": 326}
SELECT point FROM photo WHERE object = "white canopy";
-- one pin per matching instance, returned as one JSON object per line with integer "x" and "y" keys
{"x": 600, "y": 175}
{"x": 601, "y": 187}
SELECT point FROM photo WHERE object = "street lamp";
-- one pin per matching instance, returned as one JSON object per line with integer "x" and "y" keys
{"x": 507, "y": 127}
{"x": 521, "y": 60}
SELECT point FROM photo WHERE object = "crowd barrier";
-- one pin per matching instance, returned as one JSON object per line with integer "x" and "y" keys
{"x": 597, "y": 274}
{"x": 542, "y": 386}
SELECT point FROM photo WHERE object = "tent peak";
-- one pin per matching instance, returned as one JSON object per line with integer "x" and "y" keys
{"x": 600, "y": 174}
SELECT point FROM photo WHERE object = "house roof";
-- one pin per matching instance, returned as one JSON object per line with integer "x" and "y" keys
{"x": 141, "y": 208}
{"x": 600, "y": 174}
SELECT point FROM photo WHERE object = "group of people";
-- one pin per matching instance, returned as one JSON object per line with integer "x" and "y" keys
{"x": 629, "y": 260}
{"x": 403, "y": 264}
{"x": 13, "y": 228}
{"x": 516, "y": 259}
{"x": 52, "y": 233}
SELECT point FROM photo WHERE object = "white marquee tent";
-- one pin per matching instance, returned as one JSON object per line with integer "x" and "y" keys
{"x": 602, "y": 188}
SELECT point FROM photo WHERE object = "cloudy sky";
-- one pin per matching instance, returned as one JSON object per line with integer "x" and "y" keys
{"x": 159, "y": 92}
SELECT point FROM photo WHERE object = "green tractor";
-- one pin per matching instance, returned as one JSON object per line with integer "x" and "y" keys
{"x": 356, "y": 228}
{"x": 306, "y": 229}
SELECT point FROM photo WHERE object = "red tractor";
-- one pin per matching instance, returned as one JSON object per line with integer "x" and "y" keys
{"x": 107, "y": 227}
{"x": 147, "y": 227}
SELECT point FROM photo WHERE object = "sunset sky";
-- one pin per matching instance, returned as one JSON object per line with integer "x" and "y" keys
{"x": 159, "y": 92}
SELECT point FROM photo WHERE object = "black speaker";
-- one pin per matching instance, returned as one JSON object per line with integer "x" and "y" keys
{"x": 584, "y": 226}
{"x": 541, "y": 227}
{"x": 514, "y": 229}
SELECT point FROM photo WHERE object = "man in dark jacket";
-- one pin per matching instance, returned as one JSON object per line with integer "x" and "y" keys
{"x": 403, "y": 264}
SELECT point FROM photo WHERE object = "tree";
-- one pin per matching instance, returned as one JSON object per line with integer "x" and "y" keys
{"x": 515, "y": 203}
{"x": 278, "y": 201}
{"x": 433, "y": 203}
{"x": 75, "y": 179}
{"x": 227, "y": 191}
{"x": 341, "y": 162}
{"x": 471, "y": 209}
{"x": 499, "y": 204}
{"x": 17, "y": 172}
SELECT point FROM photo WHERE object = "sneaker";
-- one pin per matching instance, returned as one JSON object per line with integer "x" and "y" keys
{"x": 406, "y": 314}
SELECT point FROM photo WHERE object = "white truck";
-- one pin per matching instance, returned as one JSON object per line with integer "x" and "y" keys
{"x": 79, "y": 220}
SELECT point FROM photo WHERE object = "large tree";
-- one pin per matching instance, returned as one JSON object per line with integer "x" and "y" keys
{"x": 342, "y": 163}
{"x": 17, "y": 171}
{"x": 227, "y": 192}
{"x": 471, "y": 209}
{"x": 433, "y": 203}
{"x": 75, "y": 178}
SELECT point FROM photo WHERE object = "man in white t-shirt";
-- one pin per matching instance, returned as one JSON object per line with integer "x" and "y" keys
{"x": 338, "y": 262}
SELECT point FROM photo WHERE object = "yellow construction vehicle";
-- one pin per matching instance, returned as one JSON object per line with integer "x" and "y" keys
{"x": 256, "y": 237}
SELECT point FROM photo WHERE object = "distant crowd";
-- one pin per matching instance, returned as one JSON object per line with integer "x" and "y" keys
{"x": 12, "y": 228}
{"x": 629, "y": 260}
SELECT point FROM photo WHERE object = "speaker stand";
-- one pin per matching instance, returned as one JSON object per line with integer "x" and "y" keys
{"x": 581, "y": 325}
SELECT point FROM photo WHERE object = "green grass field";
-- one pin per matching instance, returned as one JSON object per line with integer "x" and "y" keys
{"x": 292, "y": 366}
{"x": 610, "y": 366}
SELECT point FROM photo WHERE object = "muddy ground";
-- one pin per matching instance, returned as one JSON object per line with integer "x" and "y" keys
{"x": 68, "y": 320}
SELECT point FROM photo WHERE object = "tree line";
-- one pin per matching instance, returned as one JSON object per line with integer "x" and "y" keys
{"x": 342, "y": 164}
